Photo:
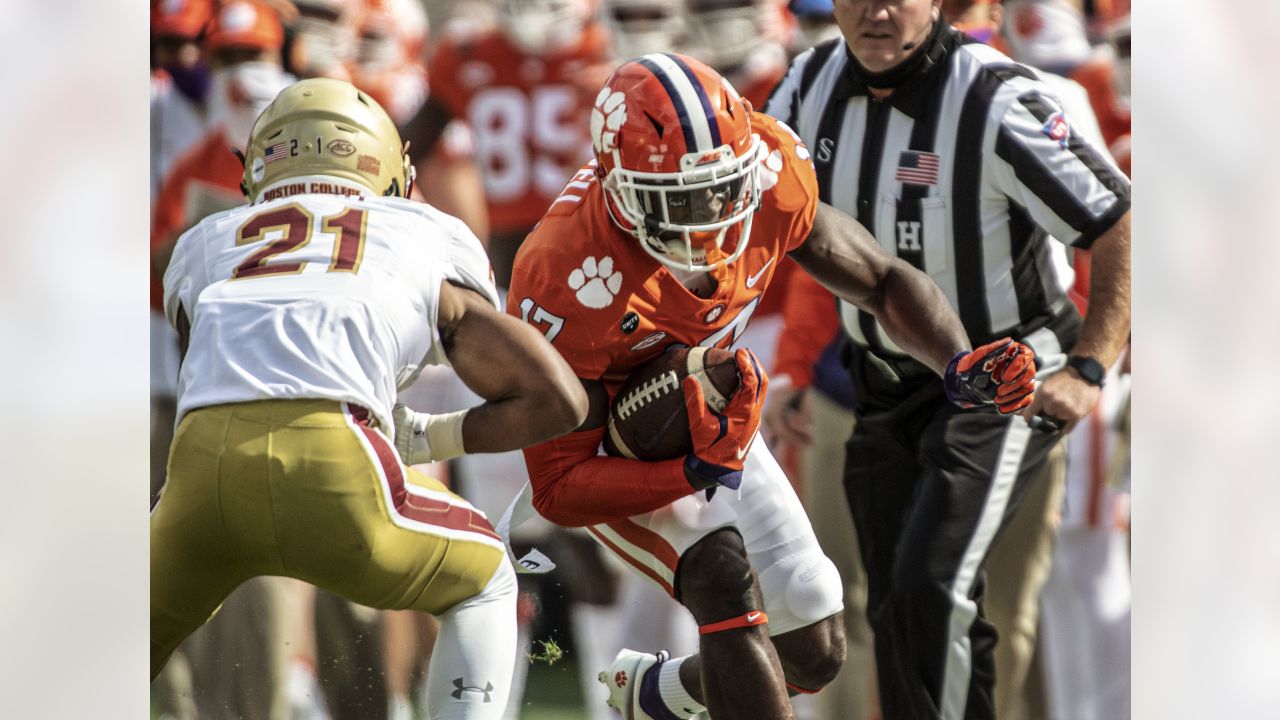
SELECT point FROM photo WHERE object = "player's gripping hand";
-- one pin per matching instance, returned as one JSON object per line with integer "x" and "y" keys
{"x": 1000, "y": 373}
{"x": 721, "y": 440}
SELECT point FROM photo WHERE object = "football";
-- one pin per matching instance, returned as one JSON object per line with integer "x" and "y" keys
{"x": 647, "y": 419}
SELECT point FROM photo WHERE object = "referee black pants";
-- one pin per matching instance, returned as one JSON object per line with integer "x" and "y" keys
{"x": 930, "y": 486}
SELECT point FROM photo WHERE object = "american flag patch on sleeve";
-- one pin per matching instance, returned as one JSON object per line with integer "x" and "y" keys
{"x": 275, "y": 152}
{"x": 917, "y": 167}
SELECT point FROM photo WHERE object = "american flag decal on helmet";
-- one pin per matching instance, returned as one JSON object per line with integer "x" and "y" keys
{"x": 275, "y": 152}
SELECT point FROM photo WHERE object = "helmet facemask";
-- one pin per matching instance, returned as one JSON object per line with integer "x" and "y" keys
{"x": 683, "y": 218}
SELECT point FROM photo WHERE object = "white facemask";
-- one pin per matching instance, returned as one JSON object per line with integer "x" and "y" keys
{"x": 326, "y": 44}
{"x": 240, "y": 93}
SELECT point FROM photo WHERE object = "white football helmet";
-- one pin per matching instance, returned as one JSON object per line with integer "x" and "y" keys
{"x": 640, "y": 27}
{"x": 543, "y": 26}
{"x": 726, "y": 32}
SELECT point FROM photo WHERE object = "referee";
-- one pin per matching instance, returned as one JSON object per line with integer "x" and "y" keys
{"x": 961, "y": 163}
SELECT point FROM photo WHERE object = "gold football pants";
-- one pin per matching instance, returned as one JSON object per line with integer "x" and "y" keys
{"x": 306, "y": 489}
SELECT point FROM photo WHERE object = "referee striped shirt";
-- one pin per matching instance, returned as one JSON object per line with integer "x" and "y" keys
{"x": 967, "y": 171}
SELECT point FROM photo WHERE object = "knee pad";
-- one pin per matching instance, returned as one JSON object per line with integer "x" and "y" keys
{"x": 800, "y": 590}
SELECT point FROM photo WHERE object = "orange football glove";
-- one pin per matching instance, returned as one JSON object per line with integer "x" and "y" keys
{"x": 1000, "y": 373}
{"x": 721, "y": 440}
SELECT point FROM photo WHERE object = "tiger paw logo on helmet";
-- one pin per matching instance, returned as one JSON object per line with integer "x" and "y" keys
{"x": 607, "y": 117}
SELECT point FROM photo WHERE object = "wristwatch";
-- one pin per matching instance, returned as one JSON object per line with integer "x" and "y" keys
{"x": 1091, "y": 371}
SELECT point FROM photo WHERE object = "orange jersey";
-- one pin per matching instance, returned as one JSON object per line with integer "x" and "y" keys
{"x": 530, "y": 115}
{"x": 203, "y": 181}
{"x": 608, "y": 307}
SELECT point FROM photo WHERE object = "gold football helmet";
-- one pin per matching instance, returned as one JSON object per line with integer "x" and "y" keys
{"x": 323, "y": 126}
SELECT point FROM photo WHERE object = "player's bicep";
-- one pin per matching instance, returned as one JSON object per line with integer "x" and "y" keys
{"x": 496, "y": 355}
{"x": 841, "y": 255}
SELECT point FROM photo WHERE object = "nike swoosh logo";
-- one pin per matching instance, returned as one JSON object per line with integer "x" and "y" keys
{"x": 751, "y": 617}
{"x": 753, "y": 279}
{"x": 742, "y": 452}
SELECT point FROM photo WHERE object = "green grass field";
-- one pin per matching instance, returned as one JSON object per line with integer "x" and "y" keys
{"x": 552, "y": 692}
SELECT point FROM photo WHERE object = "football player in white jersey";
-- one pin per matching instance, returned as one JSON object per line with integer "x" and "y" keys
{"x": 301, "y": 314}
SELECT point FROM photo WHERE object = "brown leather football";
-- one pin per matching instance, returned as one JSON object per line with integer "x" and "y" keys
{"x": 648, "y": 420}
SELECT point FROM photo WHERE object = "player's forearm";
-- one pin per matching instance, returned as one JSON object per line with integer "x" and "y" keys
{"x": 918, "y": 317}
{"x": 606, "y": 489}
{"x": 1107, "y": 323}
{"x": 517, "y": 422}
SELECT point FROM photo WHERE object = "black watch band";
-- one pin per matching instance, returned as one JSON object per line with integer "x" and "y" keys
{"x": 1091, "y": 371}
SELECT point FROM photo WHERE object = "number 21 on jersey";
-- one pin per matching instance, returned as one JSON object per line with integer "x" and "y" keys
{"x": 296, "y": 226}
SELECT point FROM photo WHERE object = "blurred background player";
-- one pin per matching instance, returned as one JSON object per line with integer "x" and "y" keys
{"x": 640, "y": 27}
{"x": 179, "y": 80}
{"x": 815, "y": 23}
{"x": 525, "y": 88}
{"x": 324, "y": 38}
{"x": 1086, "y": 603}
{"x": 388, "y": 62}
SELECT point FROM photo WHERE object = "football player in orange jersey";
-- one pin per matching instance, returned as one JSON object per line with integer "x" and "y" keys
{"x": 525, "y": 88}
{"x": 669, "y": 238}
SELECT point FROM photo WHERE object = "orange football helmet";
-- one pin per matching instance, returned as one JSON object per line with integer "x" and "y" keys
{"x": 678, "y": 161}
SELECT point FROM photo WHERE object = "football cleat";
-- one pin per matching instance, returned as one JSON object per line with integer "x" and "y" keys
{"x": 632, "y": 680}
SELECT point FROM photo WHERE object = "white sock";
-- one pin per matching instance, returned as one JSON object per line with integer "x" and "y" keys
{"x": 677, "y": 699}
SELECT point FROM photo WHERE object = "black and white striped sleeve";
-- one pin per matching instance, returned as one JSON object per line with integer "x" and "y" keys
{"x": 1072, "y": 191}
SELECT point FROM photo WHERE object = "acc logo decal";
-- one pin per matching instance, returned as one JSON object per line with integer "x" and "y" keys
{"x": 1056, "y": 129}
{"x": 630, "y": 322}
{"x": 649, "y": 341}
{"x": 340, "y": 147}
{"x": 595, "y": 283}
{"x": 258, "y": 169}
{"x": 607, "y": 117}
{"x": 713, "y": 314}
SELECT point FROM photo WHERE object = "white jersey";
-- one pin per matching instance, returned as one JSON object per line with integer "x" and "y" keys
{"x": 317, "y": 296}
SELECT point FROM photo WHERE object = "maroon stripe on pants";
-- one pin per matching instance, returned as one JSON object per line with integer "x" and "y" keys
{"x": 415, "y": 507}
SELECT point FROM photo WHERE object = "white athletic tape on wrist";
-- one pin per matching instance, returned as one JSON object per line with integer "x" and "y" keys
{"x": 444, "y": 435}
